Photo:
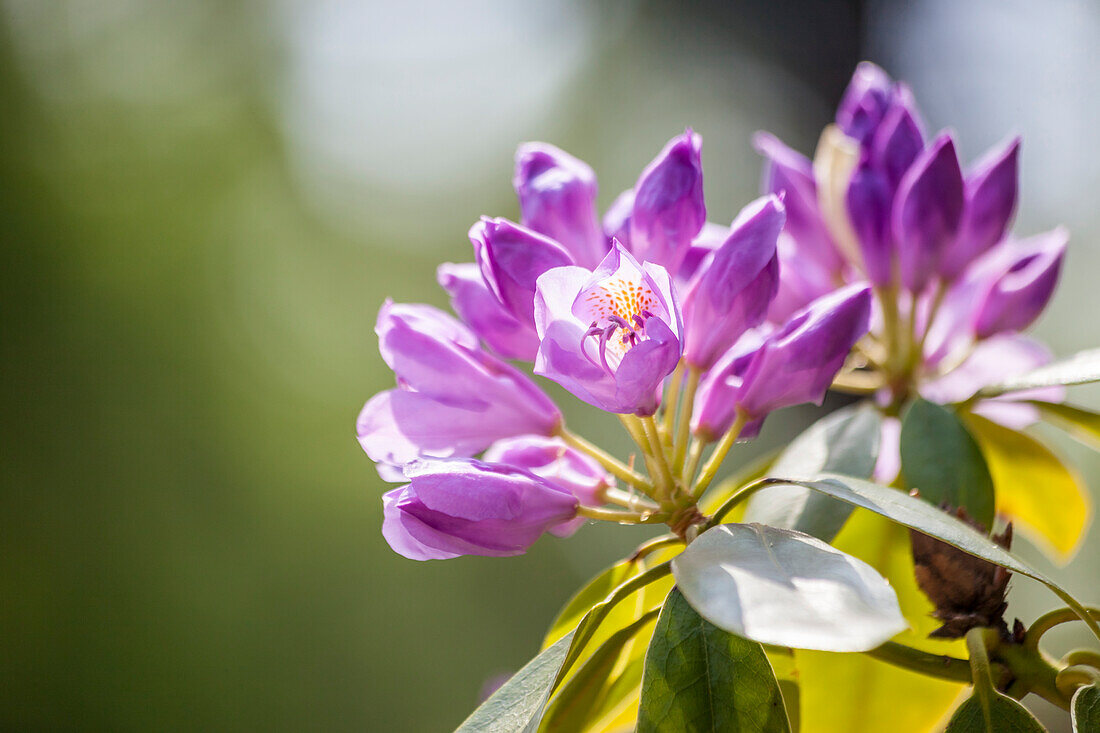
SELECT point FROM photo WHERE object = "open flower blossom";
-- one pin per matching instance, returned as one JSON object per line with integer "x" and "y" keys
{"x": 631, "y": 315}
{"x": 882, "y": 202}
{"x": 609, "y": 336}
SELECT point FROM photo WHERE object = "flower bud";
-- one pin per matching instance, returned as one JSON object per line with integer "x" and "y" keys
{"x": 926, "y": 212}
{"x": 865, "y": 101}
{"x": 511, "y": 258}
{"x": 790, "y": 174}
{"x": 476, "y": 305}
{"x": 898, "y": 140}
{"x": 668, "y": 204}
{"x": 1028, "y": 275}
{"x": 990, "y": 191}
{"x": 551, "y": 459}
{"x": 557, "y": 197}
{"x": 453, "y": 399}
{"x": 797, "y": 363}
{"x": 616, "y": 220}
{"x": 732, "y": 289}
{"x": 467, "y": 507}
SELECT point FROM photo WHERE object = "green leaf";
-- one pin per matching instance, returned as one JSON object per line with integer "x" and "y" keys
{"x": 1034, "y": 488}
{"x": 844, "y": 442}
{"x": 1085, "y": 709}
{"x": 1082, "y": 424}
{"x": 590, "y": 623}
{"x": 592, "y": 593}
{"x": 577, "y": 701}
{"x": 785, "y": 668}
{"x": 778, "y": 586}
{"x": 701, "y": 678}
{"x": 1081, "y": 368}
{"x": 942, "y": 460}
{"x": 1001, "y": 715}
{"x": 923, "y": 517}
{"x": 518, "y": 704}
{"x": 844, "y": 693}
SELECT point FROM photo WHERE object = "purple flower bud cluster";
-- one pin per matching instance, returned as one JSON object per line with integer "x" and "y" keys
{"x": 883, "y": 202}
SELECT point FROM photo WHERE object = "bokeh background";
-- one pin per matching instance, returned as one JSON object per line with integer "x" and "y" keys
{"x": 203, "y": 204}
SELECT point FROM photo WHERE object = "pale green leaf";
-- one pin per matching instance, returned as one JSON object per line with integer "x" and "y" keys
{"x": 844, "y": 442}
{"x": 517, "y": 706}
{"x": 778, "y": 586}
{"x": 844, "y": 693}
{"x": 701, "y": 678}
{"x": 923, "y": 517}
{"x": 1082, "y": 424}
{"x": 1080, "y": 368}
{"x": 589, "y": 595}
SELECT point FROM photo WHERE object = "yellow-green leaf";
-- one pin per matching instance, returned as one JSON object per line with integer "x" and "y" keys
{"x": 1034, "y": 488}
{"x": 840, "y": 693}
{"x": 1082, "y": 424}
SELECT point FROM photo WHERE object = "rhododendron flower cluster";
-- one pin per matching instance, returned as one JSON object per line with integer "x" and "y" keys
{"x": 653, "y": 312}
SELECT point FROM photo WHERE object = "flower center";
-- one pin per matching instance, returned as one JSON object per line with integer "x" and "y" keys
{"x": 618, "y": 310}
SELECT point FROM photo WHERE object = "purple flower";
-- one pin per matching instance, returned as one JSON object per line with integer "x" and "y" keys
{"x": 990, "y": 192}
{"x": 511, "y": 258}
{"x": 553, "y": 460}
{"x": 1026, "y": 275}
{"x": 668, "y": 206}
{"x": 791, "y": 174}
{"x": 927, "y": 212}
{"x": 480, "y": 309}
{"x": 557, "y": 197}
{"x": 865, "y": 101}
{"x": 792, "y": 365}
{"x": 616, "y": 220}
{"x": 453, "y": 399}
{"x": 467, "y": 507}
{"x": 731, "y": 290}
{"x": 609, "y": 336}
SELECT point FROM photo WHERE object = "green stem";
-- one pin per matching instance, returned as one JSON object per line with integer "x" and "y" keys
{"x": 1078, "y": 675}
{"x": 628, "y": 500}
{"x": 1083, "y": 656}
{"x": 915, "y": 660}
{"x": 710, "y": 468}
{"x": 673, "y": 398}
{"x": 617, "y": 515}
{"x": 695, "y": 454}
{"x": 684, "y": 423}
{"x": 666, "y": 484}
{"x": 657, "y": 543}
{"x": 976, "y": 640}
{"x": 1048, "y": 621}
{"x": 739, "y": 496}
{"x": 609, "y": 462}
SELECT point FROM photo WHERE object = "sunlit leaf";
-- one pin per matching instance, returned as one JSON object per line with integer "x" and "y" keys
{"x": 778, "y": 586}
{"x": 1085, "y": 709}
{"x": 589, "y": 595}
{"x": 1001, "y": 715}
{"x": 1082, "y": 424}
{"x": 785, "y": 668}
{"x": 701, "y": 678}
{"x": 577, "y": 701}
{"x": 844, "y": 442}
{"x": 517, "y": 706}
{"x": 1080, "y": 368}
{"x": 1034, "y": 488}
{"x": 942, "y": 460}
{"x": 923, "y": 517}
{"x": 842, "y": 693}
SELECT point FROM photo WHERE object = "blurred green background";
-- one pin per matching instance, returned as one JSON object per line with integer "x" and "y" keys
{"x": 204, "y": 204}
